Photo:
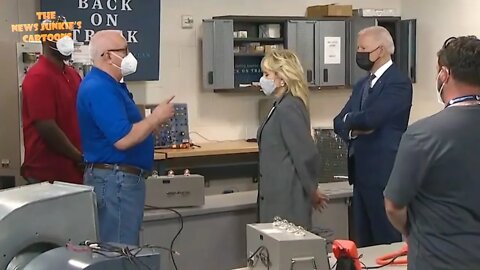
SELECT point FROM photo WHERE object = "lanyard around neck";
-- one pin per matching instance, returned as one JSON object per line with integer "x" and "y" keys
{"x": 462, "y": 99}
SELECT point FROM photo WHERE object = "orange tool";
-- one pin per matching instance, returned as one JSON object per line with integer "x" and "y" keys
{"x": 348, "y": 249}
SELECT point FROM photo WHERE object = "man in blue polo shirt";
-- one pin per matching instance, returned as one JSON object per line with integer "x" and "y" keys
{"x": 117, "y": 142}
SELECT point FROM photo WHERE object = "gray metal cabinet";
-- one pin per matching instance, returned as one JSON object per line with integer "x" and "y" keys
{"x": 217, "y": 53}
{"x": 333, "y": 222}
{"x": 301, "y": 39}
{"x": 354, "y": 26}
{"x": 326, "y": 48}
{"x": 213, "y": 236}
{"x": 320, "y": 46}
{"x": 407, "y": 39}
{"x": 404, "y": 37}
{"x": 330, "y": 53}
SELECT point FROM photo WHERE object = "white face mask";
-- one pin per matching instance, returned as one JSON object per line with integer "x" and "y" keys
{"x": 267, "y": 85}
{"x": 129, "y": 64}
{"x": 439, "y": 89}
{"x": 65, "y": 46}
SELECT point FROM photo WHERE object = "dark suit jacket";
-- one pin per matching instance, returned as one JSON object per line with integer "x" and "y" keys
{"x": 288, "y": 161}
{"x": 386, "y": 111}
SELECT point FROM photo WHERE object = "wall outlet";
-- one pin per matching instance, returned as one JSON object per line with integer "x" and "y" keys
{"x": 5, "y": 163}
{"x": 187, "y": 21}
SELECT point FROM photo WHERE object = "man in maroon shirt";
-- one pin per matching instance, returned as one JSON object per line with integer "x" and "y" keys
{"x": 50, "y": 124}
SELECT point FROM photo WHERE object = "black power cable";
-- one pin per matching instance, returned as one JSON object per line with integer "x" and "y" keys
{"x": 131, "y": 254}
{"x": 135, "y": 260}
{"x": 180, "y": 217}
{"x": 262, "y": 254}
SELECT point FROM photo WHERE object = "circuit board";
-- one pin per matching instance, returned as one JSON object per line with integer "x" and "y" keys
{"x": 175, "y": 131}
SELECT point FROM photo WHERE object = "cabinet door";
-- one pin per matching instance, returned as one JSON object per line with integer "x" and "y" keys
{"x": 333, "y": 222}
{"x": 300, "y": 39}
{"x": 354, "y": 26}
{"x": 407, "y": 55}
{"x": 217, "y": 53}
{"x": 330, "y": 53}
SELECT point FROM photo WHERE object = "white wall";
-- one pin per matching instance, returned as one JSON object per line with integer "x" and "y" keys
{"x": 436, "y": 21}
{"x": 11, "y": 12}
{"x": 225, "y": 116}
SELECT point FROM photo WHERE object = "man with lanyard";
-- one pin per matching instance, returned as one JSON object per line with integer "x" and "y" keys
{"x": 118, "y": 143}
{"x": 50, "y": 124}
{"x": 432, "y": 196}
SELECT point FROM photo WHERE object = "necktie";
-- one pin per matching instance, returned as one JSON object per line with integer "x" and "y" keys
{"x": 366, "y": 89}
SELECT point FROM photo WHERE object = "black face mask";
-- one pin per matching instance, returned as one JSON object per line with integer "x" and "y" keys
{"x": 363, "y": 60}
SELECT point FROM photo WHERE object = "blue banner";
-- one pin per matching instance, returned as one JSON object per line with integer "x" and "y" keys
{"x": 139, "y": 21}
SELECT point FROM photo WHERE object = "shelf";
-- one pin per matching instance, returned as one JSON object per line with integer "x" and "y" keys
{"x": 241, "y": 90}
{"x": 250, "y": 54}
{"x": 260, "y": 40}
{"x": 259, "y": 19}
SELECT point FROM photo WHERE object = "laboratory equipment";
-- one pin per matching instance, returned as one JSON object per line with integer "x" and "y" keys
{"x": 175, "y": 190}
{"x": 282, "y": 245}
{"x": 175, "y": 132}
{"x": 41, "y": 226}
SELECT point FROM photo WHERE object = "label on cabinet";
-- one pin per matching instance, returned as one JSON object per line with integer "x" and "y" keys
{"x": 333, "y": 50}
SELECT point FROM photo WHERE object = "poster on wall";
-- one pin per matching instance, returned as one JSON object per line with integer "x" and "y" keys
{"x": 333, "y": 50}
{"x": 139, "y": 21}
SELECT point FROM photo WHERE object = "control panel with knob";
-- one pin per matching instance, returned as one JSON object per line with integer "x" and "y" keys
{"x": 174, "y": 132}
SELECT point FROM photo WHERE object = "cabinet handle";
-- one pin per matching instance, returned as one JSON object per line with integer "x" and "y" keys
{"x": 306, "y": 259}
{"x": 210, "y": 77}
{"x": 348, "y": 201}
{"x": 309, "y": 76}
{"x": 325, "y": 75}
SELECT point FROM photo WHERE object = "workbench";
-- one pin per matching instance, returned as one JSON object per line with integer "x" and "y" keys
{"x": 370, "y": 254}
{"x": 209, "y": 149}
{"x": 214, "y": 235}
{"x": 233, "y": 162}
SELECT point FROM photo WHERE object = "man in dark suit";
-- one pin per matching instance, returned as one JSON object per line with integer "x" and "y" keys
{"x": 372, "y": 123}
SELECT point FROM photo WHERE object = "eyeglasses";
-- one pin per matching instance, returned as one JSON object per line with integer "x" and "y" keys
{"x": 116, "y": 50}
{"x": 448, "y": 42}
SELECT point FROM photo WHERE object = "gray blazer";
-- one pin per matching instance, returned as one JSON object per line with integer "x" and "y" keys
{"x": 289, "y": 163}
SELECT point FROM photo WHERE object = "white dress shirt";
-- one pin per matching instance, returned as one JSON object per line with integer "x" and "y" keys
{"x": 380, "y": 72}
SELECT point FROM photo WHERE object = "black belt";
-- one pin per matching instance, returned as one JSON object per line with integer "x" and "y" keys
{"x": 122, "y": 168}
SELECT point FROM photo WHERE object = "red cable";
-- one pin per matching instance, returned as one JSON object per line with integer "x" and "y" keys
{"x": 77, "y": 248}
{"x": 395, "y": 256}
{"x": 348, "y": 248}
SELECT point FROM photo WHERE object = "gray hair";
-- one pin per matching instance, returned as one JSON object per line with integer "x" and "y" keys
{"x": 99, "y": 43}
{"x": 382, "y": 35}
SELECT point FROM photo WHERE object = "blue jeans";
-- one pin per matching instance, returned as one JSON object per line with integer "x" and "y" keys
{"x": 120, "y": 204}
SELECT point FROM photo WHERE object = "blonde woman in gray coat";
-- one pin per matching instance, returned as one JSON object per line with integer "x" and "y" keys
{"x": 289, "y": 159}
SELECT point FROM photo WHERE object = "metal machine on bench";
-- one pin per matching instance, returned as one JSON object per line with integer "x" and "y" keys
{"x": 41, "y": 225}
{"x": 283, "y": 246}
{"x": 175, "y": 190}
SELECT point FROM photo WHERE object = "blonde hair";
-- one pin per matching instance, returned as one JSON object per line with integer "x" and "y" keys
{"x": 382, "y": 35}
{"x": 287, "y": 66}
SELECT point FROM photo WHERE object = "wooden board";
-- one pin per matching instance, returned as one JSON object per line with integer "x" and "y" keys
{"x": 209, "y": 149}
